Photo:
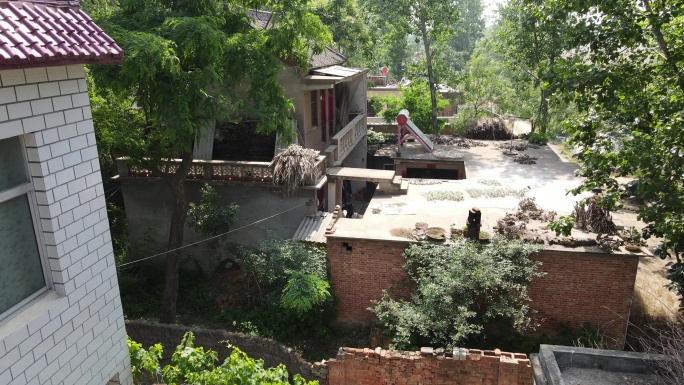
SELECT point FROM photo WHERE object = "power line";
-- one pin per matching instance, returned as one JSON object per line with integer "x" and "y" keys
{"x": 214, "y": 237}
{"x": 112, "y": 194}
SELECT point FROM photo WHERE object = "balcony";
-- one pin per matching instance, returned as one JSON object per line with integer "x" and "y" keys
{"x": 344, "y": 141}
{"x": 219, "y": 170}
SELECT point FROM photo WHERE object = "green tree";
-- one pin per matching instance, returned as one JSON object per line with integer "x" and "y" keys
{"x": 353, "y": 29}
{"x": 191, "y": 62}
{"x": 458, "y": 289}
{"x": 290, "y": 269}
{"x": 623, "y": 71}
{"x": 532, "y": 44}
{"x": 193, "y": 365}
{"x": 432, "y": 22}
{"x": 467, "y": 32}
{"x": 489, "y": 85}
{"x": 414, "y": 98}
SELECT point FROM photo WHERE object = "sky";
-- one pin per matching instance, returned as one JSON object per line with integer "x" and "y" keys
{"x": 490, "y": 10}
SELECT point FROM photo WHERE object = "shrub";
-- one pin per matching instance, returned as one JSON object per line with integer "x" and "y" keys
{"x": 458, "y": 289}
{"x": 194, "y": 365}
{"x": 294, "y": 290}
{"x": 563, "y": 226}
{"x": 209, "y": 217}
{"x": 487, "y": 129}
{"x": 537, "y": 138}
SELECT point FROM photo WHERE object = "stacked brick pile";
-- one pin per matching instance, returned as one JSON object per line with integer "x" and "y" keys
{"x": 435, "y": 367}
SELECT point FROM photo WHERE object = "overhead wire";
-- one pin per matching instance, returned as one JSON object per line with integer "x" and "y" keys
{"x": 112, "y": 194}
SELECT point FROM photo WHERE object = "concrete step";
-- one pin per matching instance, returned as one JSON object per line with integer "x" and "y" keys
{"x": 397, "y": 179}
{"x": 404, "y": 187}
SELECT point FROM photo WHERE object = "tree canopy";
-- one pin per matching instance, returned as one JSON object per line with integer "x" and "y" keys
{"x": 432, "y": 22}
{"x": 189, "y": 63}
{"x": 459, "y": 288}
{"x": 533, "y": 45}
{"x": 622, "y": 67}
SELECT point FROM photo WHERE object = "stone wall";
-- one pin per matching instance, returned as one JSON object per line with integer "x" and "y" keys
{"x": 149, "y": 204}
{"x": 579, "y": 287}
{"x": 461, "y": 366}
{"x": 272, "y": 352}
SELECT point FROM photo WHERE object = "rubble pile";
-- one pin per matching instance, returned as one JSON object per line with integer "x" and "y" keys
{"x": 525, "y": 159}
{"x": 514, "y": 225}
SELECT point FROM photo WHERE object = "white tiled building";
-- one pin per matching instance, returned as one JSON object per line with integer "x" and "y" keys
{"x": 61, "y": 320}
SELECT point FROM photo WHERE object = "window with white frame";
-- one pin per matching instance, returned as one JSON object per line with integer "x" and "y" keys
{"x": 22, "y": 275}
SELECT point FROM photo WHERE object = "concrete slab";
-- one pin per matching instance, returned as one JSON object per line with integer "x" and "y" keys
{"x": 361, "y": 174}
{"x": 548, "y": 181}
{"x": 570, "y": 365}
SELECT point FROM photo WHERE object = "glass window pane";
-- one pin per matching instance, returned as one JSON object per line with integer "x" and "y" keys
{"x": 21, "y": 273}
{"x": 12, "y": 166}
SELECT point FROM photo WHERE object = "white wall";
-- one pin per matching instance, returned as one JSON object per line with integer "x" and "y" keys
{"x": 74, "y": 334}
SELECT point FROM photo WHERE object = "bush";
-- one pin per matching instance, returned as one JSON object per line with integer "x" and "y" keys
{"x": 194, "y": 365}
{"x": 294, "y": 290}
{"x": 563, "y": 226}
{"x": 536, "y": 138}
{"x": 209, "y": 217}
{"x": 459, "y": 288}
{"x": 416, "y": 99}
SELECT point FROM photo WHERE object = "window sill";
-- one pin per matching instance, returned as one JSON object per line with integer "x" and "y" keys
{"x": 29, "y": 312}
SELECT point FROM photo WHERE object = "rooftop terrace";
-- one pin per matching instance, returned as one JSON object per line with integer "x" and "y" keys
{"x": 547, "y": 182}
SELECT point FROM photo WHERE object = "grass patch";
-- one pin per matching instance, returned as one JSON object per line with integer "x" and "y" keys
{"x": 443, "y": 195}
{"x": 497, "y": 192}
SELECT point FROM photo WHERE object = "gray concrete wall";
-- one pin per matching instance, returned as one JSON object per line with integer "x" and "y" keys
{"x": 149, "y": 205}
{"x": 357, "y": 158}
{"x": 358, "y": 90}
{"x": 204, "y": 141}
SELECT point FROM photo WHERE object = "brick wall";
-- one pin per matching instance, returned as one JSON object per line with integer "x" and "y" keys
{"x": 578, "y": 287}
{"x": 360, "y": 270}
{"x": 585, "y": 287}
{"x": 462, "y": 367}
{"x": 74, "y": 333}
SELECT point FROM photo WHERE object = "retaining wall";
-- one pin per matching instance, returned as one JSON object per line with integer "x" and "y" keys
{"x": 272, "y": 352}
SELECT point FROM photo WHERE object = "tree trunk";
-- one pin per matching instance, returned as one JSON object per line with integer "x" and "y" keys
{"x": 431, "y": 77}
{"x": 655, "y": 22}
{"x": 180, "y": 211}
{"x": 543, "y": 111}
{"x": 544, "y": 103}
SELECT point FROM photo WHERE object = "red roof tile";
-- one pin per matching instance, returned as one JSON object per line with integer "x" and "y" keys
{"x": 41, "y": 33}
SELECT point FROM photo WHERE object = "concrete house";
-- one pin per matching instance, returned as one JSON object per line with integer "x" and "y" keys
{"x": 61, "y": 320}
{"x": 329, "y": 116}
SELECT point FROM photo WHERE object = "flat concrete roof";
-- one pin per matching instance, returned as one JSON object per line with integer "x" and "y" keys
{"x": 414, "y": 151}
{"x": 548, "y": 182}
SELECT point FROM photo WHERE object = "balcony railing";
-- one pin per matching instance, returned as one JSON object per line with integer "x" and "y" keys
{"x": 222, "y": 170}
{"x": 344, "y": 141}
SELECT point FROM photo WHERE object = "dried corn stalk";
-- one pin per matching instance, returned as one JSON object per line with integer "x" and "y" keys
{"x": 293, "y": 166}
